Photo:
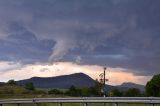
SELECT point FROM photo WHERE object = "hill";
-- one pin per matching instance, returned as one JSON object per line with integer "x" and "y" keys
{"x": 131, "y": 85}
{"x": 63, "y": 82}
{"x": 2, "y": 83}
{"x": 77, "y": 79}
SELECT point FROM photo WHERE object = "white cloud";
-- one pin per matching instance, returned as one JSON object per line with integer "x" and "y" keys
{"x": 116, "y": 76}
{"x": 7, "y": 65}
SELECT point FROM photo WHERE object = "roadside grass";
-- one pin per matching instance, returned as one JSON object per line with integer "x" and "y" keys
{"x": 16, "y": 92}
{"x": 12, "y": 90}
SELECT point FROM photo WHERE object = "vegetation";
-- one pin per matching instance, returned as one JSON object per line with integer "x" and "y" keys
{"x": 153, "y": 86}
{"x": 73, "y": 91}
{"x": 94, "y": 91}
{"x": 29, "y": 86}
{"x": 29, "y": 89}
{"x": 11, "y": 82}
{"x": 133, "y": 92}
{"x": 8, "y": 89}
{"x": 55, "y": 92}
{"x": 116, "y": 93}
{"x": 11, "y": 89}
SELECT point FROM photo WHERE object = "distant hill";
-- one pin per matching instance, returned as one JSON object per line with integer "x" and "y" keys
{"x": 131, "y": 85}
{"x": 64, "y": 82}
{"x": 2, "y": 83}
{"x": 77, "y": 79}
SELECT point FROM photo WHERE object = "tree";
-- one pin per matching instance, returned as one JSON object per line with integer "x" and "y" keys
{"x": 73, "y": 91}
{"x": 98, "y": 88}
{"x": 92, "y": 91}
{"x": 85, "y": 92}
{"x": 153, "y": 86}
{"x": 116, "y": 92}
{"x": 133, "y": 92}
{"x": 11, "y": 82}
{"x": 55, "y": 91}
{"x": 29, "y": 86}
{"x": 95, "y": 90}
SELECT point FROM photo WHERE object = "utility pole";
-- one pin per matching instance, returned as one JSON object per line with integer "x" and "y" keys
{"x": 103, "y": 79}
{"x": 104, "y": 76}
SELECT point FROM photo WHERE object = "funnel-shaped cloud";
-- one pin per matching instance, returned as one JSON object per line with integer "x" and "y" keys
{"x": 104, "y": 32}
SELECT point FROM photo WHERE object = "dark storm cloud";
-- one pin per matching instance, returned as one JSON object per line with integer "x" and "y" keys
{"x": 116, "y": 33}
{"x": 23, "y": 46}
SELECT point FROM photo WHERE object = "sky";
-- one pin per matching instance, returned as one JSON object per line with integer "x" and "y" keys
{"x": 57, "y": 37}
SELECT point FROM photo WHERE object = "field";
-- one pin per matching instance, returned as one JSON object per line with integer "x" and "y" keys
{"x": 15, "y": 92}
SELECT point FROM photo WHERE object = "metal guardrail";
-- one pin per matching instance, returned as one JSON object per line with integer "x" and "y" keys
{"x": 85, "y": 100}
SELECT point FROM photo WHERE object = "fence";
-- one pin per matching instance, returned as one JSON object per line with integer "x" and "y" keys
{"x": 85, "y": 100}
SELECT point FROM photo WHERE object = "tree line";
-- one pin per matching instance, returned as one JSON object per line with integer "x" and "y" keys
{"x": 95, "y": 91}
{"x": 152, "y": 88}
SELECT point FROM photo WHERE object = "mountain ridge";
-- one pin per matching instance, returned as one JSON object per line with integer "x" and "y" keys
{"x": 65, "y": 81}
{"x": 76, "y": 79}
{"x": 132, "y": 85}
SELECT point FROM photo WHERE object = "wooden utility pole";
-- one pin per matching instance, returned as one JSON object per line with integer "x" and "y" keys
{"x": 104, "y": 76}
{"x": 104, "y": 81}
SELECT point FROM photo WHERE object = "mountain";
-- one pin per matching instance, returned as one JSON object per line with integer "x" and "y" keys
{"x": 64, "y": 82}
{"x": 131, "y": 85}
{"x": 77, "y": 79}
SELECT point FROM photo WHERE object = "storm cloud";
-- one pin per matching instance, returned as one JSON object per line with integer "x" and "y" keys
{"x": 114, "y": 33}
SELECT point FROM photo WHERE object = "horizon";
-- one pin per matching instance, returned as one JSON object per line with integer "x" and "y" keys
{"x": 47, "y": 38}
{"x": 94, "y": 75}
{"x": 72, "y": 74}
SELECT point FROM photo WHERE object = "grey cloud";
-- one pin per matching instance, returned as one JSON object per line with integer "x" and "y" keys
{"x": 22, "y": 45}
{"x": 105, "y": 32}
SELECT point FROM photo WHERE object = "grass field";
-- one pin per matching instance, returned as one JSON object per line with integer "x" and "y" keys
{"x": 15, "y": 92}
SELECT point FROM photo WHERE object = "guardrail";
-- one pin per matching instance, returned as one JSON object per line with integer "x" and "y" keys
{"x": 85, "y": 100}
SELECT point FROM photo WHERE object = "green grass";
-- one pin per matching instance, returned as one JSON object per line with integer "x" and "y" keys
{"x": 16, "y": 92}
{"x": 12, "y": 90}
{"x": 19, "y": 92}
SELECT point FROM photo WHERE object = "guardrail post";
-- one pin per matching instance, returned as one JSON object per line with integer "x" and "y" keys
{"x": 0, "y": 104}
{"x": 35, "y": 104}
{"x": 116, "y": 104}
{"x": 60, "y": 104}
{"x": 18, "y": 104}
{"x": 152, "y": 104}
{"x": 85, "y": 104}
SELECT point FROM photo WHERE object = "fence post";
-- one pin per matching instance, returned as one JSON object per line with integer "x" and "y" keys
{"x": 60, "y": 104}
{"x": 85, "y": 104}
{"x": 17, "y": 104}
{"x": 152, "y": 104}
{"x": 0, "y": 104}
{"x": 116, "y": 104}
